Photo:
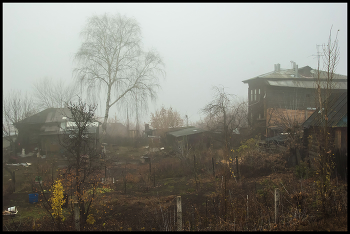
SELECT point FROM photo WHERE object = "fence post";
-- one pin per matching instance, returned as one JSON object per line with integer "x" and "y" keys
{"x": 76, "y": 216}
{"x": 179, "y": 213}
{"x": 212, "y": 161}
{"x": 247, "y": 209}
{"x": 14, "y": 181}
{"x": 150, "y": 170}
{"x": 206, "y": 212}
{"x": 276, "y": 205}
{"x": 154, "y": 177}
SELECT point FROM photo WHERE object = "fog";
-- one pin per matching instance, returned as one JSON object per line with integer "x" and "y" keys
{"x": 202, "y": 44}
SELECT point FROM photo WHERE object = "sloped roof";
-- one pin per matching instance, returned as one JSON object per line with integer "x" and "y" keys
{"x": 309, "y": 84}
{"x": 186, "y": 132}
{"x": 305, "y": 79}
{"x": 337, "y": 112}
{"x": 47, "y": 116}
{"x": 115, "y": 129}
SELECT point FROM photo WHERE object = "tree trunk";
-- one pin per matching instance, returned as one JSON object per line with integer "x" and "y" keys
{"x": 104, "y": 125}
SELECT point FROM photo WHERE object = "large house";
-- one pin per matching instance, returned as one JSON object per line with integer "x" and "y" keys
{"x": 43, "y": 129}
{"x": 283, "y": 97}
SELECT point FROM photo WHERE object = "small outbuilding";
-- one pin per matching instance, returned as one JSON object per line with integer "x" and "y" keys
{"x": 187, "y": 138}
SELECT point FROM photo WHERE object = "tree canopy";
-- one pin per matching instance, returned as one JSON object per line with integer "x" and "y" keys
{"x": 111, "y": 60}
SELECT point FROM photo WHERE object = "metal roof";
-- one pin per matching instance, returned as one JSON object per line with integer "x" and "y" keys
{"x": 304, "y": 72}
{"x": 309, "y": 84}
{"x": 186, "y": 132}
{"x": 337, "y": 112}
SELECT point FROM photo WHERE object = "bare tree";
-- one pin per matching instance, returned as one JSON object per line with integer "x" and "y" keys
{"x": 82, "y": 152}
{"x": 15, "y": 107}
{"x": 324, "y": 85}
{"x": 166, "y": 118}
{"x": 48, "y": 93}
{"x": 225, "y": 113}
{"x": 111, "y": 59}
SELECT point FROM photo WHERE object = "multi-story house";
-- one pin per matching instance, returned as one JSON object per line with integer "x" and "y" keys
{"x": 284, "y": 97}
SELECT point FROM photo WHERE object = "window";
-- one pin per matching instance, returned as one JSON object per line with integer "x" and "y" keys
{"x": 251, "y": 95}
{"x": 259, "y": 116}
{"x": 259, "y": 95}
{"x": 255, "y": 95}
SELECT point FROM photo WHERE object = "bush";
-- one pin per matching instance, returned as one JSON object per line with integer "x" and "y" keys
{"x": 302, "y": 171}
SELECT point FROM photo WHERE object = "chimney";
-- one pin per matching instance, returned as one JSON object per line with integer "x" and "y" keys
{"x": 295, "y": 71}
{"x": 277, "y": 67}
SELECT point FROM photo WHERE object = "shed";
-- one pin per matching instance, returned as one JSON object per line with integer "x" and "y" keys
{"x": 187, "y": 138}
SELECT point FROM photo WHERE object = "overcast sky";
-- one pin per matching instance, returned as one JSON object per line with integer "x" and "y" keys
{"x": 202, "y": 44}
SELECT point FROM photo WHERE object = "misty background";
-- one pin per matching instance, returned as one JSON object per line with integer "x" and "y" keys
{"x": 202, "y": 44}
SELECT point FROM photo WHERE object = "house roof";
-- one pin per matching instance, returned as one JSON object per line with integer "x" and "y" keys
{"x": 47, "y": 116}
{"x": 337, "y": 112}
{"x": 306, "y": 78}
{"x": 115, "y": 129}
{"x": 309, "y": 84}
{"x": 186, "y": 132}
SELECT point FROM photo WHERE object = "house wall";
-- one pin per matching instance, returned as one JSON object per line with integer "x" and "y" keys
{"x": 6, "y": 143}
{"x": 279, "y": 118}
{"x": 340, "y": 138}
{"x": 311, "y": 148}
{"x": 199, "y": 141}
{"x": 290, "y": 98}
{"x": 263, "y": 98}
{"x": 28, "y": 137}
{"x": 50, "y": 143}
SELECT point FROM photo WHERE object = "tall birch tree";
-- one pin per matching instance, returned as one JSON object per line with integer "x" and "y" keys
{"x": 112, "y": 62}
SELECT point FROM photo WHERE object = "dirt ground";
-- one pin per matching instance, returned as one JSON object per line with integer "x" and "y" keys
{"x": 143, "y": 204}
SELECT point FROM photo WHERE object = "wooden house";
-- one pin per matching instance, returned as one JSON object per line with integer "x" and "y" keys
{"x": 42, "y": 130}
{"x": 284, "y": 97}
{"x": 337, "y": 128}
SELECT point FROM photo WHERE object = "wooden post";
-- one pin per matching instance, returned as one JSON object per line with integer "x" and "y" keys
{"x": 76, "y": 216}
{"x": 247, "y": 209}
{"x": 71, "y": 192}
{"x": 14, "y": 181}
{"x": 277, "y": 198}
{"x": 225, "y": 197}
{"x": 206, "y": 212}
{"x": 179, "y": 213}
{"x": 154, "y": 179}
{"x": 149, "y": 178}
{"x": 212, "y": 160}
{"x": 106, "y": 172}
{"x": 194, "y": 169}
{"x": 125, "y": 177}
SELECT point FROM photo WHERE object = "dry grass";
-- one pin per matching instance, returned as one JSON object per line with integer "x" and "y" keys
{"x": 148, "y": 207}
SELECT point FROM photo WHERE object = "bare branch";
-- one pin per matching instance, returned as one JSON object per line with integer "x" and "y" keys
{"x": 48, "y": 94}
{"x": 111, "y": 58}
